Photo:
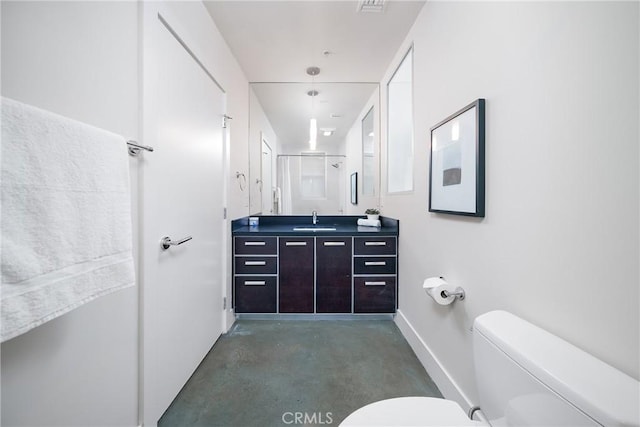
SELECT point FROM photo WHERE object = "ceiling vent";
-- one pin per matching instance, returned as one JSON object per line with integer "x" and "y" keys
{"x": 370, "y": 5}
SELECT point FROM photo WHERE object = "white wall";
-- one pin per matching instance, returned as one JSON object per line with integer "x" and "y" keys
{"x": 559, "y": 244}
{"x": 78, "y": 59}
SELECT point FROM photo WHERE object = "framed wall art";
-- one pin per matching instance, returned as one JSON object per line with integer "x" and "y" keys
{"x": 456, "y": 168}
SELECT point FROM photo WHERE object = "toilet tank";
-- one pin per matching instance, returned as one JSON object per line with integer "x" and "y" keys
{"x": 529, "y": 377}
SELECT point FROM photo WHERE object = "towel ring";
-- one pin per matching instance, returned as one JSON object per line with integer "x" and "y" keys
{"x": 242, "y": 183}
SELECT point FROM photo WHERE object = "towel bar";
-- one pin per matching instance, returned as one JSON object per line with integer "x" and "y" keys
{"x": 134, "y": 148}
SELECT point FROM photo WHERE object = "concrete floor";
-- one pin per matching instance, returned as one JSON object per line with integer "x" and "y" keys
{"x": 278, "y": 373}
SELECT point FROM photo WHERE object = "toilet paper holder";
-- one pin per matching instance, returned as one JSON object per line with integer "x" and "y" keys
{"x": 458, "y": 293}
{"x": 442, "y": 292}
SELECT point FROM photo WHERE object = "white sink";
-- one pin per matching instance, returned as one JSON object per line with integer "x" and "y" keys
{"x": 314, "y": 229}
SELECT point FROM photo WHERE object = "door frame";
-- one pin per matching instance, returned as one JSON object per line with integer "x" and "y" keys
{"x": 263, "y": 142}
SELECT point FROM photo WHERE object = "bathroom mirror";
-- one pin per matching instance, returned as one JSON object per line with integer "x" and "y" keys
{"x": 290, "y": 176}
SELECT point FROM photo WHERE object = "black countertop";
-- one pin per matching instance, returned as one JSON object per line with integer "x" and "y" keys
{"x": 285, "y": 224}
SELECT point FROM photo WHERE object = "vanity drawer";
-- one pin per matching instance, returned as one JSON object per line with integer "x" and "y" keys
{"x": 258, "y": 245}
{"x": 374, "y": 245}
{"x": 374, "y": 294}
{"x": 255, "y": 294}
{"x": 256, "y": 265}
{"x": 374, "y": 265}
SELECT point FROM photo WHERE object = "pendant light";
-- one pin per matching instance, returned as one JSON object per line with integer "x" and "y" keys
{"x": 313, "y": 133}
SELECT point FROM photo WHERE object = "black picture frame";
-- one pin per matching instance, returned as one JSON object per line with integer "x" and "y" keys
{"x": 457, "y": 163}
{"x": 354, "y": 188}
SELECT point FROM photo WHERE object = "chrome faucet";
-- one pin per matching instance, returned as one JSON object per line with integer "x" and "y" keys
{"x": 314, "y": 217}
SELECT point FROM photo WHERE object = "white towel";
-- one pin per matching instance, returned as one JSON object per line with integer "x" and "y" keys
{"x": 369, "y": 222}
{"x": 66, "y": 216}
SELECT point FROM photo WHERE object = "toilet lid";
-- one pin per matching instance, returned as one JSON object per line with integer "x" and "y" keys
{"x": 410, "y": 411}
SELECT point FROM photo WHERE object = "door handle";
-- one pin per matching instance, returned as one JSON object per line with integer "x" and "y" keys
{"x": 166, "y": 242}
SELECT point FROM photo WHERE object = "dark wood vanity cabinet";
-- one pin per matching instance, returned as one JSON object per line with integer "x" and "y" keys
{"x": 255, "y": 245}
{"x": 296, "y": 275}
{"x": 374, "y": 294}
{"x": 375, "y": 271}
{"x": 255, "y": 274}
{"x": 315, "y": 274}
{"x": 255, "y": 294}
{"x": 333, "y": 274}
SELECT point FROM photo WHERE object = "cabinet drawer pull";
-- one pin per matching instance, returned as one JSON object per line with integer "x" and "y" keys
{"x": 375, "y": 243}
{"x": 255, "y": 243}
{"x": 255, "y": 263}
{"x": 334, "y": 243}
{"x": 296, "y": 243}
{"x": 255, "y": 282}
{"x": 375, "y": 263}
{"x": 375, "y": 283}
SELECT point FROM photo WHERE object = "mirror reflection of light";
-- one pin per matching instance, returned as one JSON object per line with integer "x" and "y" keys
{"x": 371, "y": 134}
{"x": 313, "y": 133}
{"x": 455, "y": 131}
{"x": 313, "y": 144}
{"x": 434, "y": 142}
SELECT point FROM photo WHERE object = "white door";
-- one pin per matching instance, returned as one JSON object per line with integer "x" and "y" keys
{"x": 182, "y": 197}
{"x": 267, "y": 178}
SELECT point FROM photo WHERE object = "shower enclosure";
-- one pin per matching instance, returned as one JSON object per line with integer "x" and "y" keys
{"x": 310, "y": 182}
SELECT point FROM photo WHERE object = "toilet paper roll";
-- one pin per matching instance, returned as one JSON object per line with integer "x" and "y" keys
{"x": 434, "y": 287}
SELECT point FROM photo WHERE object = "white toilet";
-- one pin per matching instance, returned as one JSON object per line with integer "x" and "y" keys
{"x": 525, "y": 377}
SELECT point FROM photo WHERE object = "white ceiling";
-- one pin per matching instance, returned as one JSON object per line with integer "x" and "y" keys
{"x": 275, "y": 41}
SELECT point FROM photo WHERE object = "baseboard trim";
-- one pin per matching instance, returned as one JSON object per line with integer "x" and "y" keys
{"x": 438, "y": 373}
